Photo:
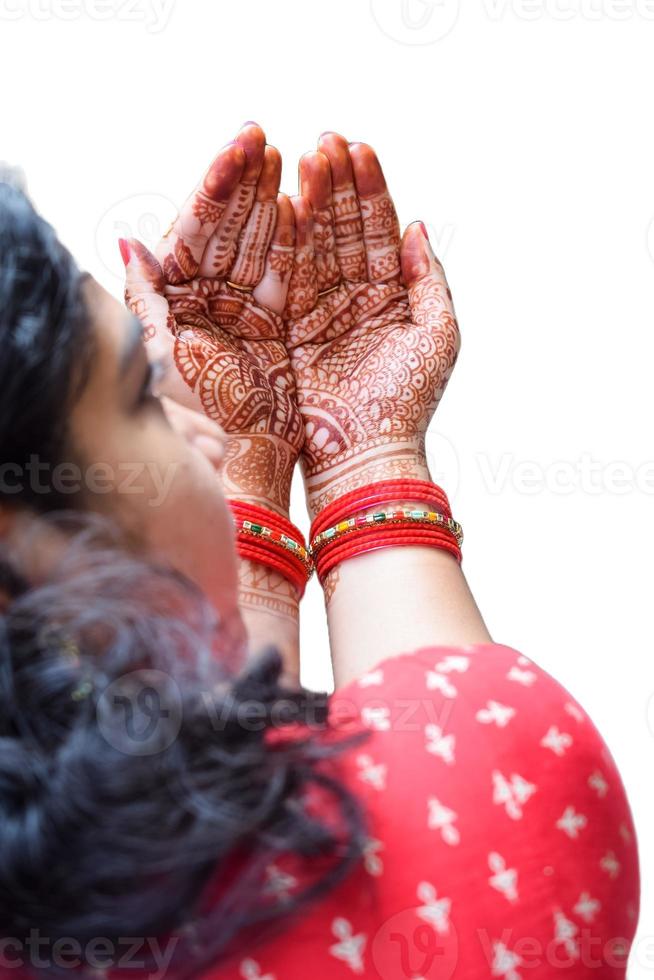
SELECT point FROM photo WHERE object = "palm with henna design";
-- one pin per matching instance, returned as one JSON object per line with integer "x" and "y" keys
{"x": 370, "y": 326}
{"x": 211, "y": 303}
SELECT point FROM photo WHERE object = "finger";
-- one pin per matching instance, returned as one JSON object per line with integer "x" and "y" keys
{"x": 144, "y": 285}
{"x": 348, "y": 226}
{"x": 144, "y": 290}
{"x": 255, "y": 237}
{"x": 191, "y": 424}
{"x": 272, "y": 290}
{"x": 430, "y": 298}
{"x": 381, "y": 229}
{"x": 221, "y": 248}
{"x": 316, "y": 186}
{"x": 303, "y": 287}
{"x": 197, "y": 429}
{"x": 180, "y": 251}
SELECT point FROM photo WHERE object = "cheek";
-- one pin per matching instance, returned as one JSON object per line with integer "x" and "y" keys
{"x": 165, "y": 494}
{"x": 189, "y": 525}
{"x": 176, "y": 491}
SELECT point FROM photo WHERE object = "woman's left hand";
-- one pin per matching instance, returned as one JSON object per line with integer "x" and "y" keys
{"x": 211, "y": 303}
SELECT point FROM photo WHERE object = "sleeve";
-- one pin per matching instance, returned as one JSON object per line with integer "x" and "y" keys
{"x": 499, "y": 813}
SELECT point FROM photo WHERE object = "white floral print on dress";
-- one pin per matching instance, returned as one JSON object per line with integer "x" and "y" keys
{"x": 372, "y": 773}
{"x": 503, "y": 879}
{"x": 495, "y": 714}
{"x": 571, "y": 822}
{"x": 378, "y": 718}
{"x": 524, "y": 677}
{"x": 587, "y": 907}
{"x": 349, "y": 948}
{"x": 558, "y": 742}
{"x": 505, "y": 962}
{"x": 250, "y": 970}
{"x": 439, "y": 682}
{"x": 440, "y": 745}
{"x": 511, "y": 793}
{"x": 434, "y": 910}
{"x": 441, "y": 818}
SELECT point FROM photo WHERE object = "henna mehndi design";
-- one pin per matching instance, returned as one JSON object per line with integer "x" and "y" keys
{"x": 372, "y": 358}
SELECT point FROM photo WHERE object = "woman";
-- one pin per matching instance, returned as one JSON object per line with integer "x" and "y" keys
{"x": 459, "y": 816}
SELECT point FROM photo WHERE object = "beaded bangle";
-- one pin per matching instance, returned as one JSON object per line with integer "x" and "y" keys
{"x": 388, "y": 491}
{"x": 277, "y": 538}
{"x": 270, "y": 539}
{"x": 341, "y": 531}
{"x": 404, "y": 514}
{"x": 286, "y": 567}
{"x": 269, "y": 518}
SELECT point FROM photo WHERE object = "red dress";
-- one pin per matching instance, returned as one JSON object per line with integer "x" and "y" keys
{"x": 501, "y": 840}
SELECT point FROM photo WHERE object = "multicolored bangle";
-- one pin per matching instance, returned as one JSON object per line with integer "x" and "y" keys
{"x": 270, "y": 539}
{"x": 404, "y": 514}
{"x": 341, "y": 531}
{"x": 384, "y": 492}
{"x": 277, "y": 538}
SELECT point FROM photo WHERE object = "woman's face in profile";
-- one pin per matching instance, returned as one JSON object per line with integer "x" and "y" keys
{"x": 136, "y": 468}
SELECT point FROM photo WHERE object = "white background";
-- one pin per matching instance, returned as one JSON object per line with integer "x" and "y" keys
{"x": 521, "y": 133}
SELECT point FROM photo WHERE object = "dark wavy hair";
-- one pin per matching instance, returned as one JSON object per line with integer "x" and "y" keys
{"x": 139, "y": 774}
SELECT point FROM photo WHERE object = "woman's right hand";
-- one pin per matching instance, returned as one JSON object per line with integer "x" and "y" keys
{"x": 211, "y": 303}
{"x": 373, "y": 354}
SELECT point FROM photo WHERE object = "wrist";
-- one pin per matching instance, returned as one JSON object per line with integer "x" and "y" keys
{"x": 270, "y": 608}
{"x": 259, "y": 470}
{"x": 323, "y": 485}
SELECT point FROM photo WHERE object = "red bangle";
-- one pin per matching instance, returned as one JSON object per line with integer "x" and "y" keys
{"x": 408, "y": 541}
{"x": 382, "y": 547}
{"x": 266, "y": 550}
{"x": 389, "y": 531}
{"x": 369, "y": 496}
{"x": 261, "y": 515}
{"x": 374, "y": 538}
{"x": 290, "y": 570}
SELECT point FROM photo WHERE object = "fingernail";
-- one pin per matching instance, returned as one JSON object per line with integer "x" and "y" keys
{"x": 423, "y": 230}
{"x": 125, "y": 253}
{"x": 250, "y": 122}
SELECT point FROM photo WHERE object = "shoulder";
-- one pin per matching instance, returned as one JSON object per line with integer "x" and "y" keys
{"x": 459, "y": 705}
{"x": 447, "y": 672}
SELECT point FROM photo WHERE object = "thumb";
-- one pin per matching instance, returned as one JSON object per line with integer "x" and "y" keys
{"x": 430, "y": 298}
{"x": 144, "y": 296}
{"x": 144, "y": 292}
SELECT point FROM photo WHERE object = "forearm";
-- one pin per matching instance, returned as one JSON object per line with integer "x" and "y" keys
{"x": 395, "y": 599}
{"x": 270, "y": 608}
